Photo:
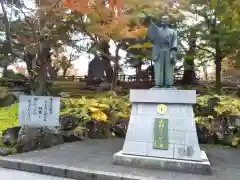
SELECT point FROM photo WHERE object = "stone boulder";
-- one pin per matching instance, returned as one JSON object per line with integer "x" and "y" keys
{"x": 62, "y": 105}
{"x": 120, "y": 127}
{"x": 104, "y": 86}
{"x": 34, "y": 138}
{"x": 77, "y": 134}
{"x": 8, "y": 100}
{"x": 202, "y": 134}
{"x": 68, "y": 122}
{"x": 70, "y": 128}
{"x": 17, "y": 94}
{"x": 10, "y": 136}
{"x": 3, "y": 92}
{"x": 64, "y": 94}
{"x": 98, "y": 129}
{"x": 119, "y": 89}
{"x": 5, "y": 151}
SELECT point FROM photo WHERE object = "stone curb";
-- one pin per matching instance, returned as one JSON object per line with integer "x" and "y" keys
{"x": 64, "y": 171}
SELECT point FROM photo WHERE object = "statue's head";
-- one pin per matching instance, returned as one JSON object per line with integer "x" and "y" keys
{"x": 165, "y": 21}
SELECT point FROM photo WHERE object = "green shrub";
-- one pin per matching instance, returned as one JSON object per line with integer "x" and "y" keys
{"x": 227, "y": 105}
{"x": 104, "y": 108}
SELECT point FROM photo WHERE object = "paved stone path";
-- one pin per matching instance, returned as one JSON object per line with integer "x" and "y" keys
{"x": 9, "y": 174}
{"x": 96, "y": 156}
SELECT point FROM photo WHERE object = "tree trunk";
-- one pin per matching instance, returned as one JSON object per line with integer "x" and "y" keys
{"x": 4, "y": 71}
{"x": 108, "y": 69}
{"x": 205, "y": 73}
{"x": 189, "y": 74}
{"x": 218, "y": 61}
{"x": 218, "y": 55}
{"x": 138, "y": 73}
{"x": 39, "y": 81}
{"x": 65, "y": 72}
{"x": 106, "y": 61}
{"x": 52, "y": 71}
{"x": 115, "y": 68}
{"x": 6, "y": 27}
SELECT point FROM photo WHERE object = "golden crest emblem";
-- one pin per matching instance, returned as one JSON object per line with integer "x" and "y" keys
{"x": 161, "y": 108}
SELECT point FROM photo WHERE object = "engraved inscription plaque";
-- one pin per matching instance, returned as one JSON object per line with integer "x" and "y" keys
{"x": 160, "y": 134}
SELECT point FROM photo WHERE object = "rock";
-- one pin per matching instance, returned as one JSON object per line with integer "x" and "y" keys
{"x": 4, "y": 151}
{"x": 227, "y": 139}
{"x": 89, "y": 88}
{"x": 79, "y": 133}
{"x": 93, "y": 82}
{"x": 17, "y": 94}
{"x": 120, "y": 128}
{"x": 234, "y": 119}
{"x": 119, "y": 89}
{"x": 68, "y": 122}
{"x": 236, "y": 141}
{"x": 10, "y": 136}
{"x": 64, "y": 94}
{"x": 202, "y": 133}
{"x": 70, "y": 128}
{"x": 213, "y": 102}
{"x": 33, "y": 138}
{"x": 62, "y": 105}
{"x": 198, "y": 91}
{"x": 213, "y": 139}
{"x": 104, "y": 86}
{"x": 98, "y": 129}
{"x": 3, "y": 92}
{"x": 219, "y": 136}
{"x": 8, "y": 100}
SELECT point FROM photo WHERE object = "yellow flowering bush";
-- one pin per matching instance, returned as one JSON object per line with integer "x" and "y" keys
{"x": 100, "y": 108}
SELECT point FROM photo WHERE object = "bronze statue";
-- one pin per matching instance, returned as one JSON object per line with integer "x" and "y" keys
{"x": 165, "y": 45}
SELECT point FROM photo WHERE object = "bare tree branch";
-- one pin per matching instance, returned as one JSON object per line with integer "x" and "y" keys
{"x": 7, "y": 26}
{"x": 207, "y": 50}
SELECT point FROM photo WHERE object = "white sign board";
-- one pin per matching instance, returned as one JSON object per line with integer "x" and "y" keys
{"x": 39, "y": 110}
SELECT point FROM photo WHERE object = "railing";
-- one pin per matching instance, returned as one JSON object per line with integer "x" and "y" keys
{"x": 231, "y": 80}
{"x": 121, "y": 78}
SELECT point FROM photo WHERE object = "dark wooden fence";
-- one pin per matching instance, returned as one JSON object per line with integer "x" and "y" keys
{"x": 121, "y": 78}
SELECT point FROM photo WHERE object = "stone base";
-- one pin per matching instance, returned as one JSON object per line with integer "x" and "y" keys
{"x": 196, "y": 167}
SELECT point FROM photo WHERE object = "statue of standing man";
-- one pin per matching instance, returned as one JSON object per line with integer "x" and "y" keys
{"x": 165, "y": 45}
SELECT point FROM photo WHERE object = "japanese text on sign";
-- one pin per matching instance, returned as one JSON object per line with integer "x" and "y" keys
{"x": 160, "y": 134}
{"x": 39, "y": 110}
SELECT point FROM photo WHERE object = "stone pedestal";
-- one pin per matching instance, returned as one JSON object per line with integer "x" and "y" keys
{"x": 162, "y": 133}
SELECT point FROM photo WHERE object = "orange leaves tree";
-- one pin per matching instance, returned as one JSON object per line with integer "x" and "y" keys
{"x": 116, "y": 20}
{"x": 37, "y": 32}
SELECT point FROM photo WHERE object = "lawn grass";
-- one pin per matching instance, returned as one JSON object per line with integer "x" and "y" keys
{"x": 8, "y": 117}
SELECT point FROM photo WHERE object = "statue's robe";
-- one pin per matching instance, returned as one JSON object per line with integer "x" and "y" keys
{"x": 164, "y": 40}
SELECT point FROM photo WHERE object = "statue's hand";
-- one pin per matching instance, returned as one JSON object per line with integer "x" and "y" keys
{"x": 147, "y": 20}
{"x": 173, "y": 57}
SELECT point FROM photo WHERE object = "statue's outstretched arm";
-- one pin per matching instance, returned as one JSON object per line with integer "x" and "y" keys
{"x": 152, "y": 32}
